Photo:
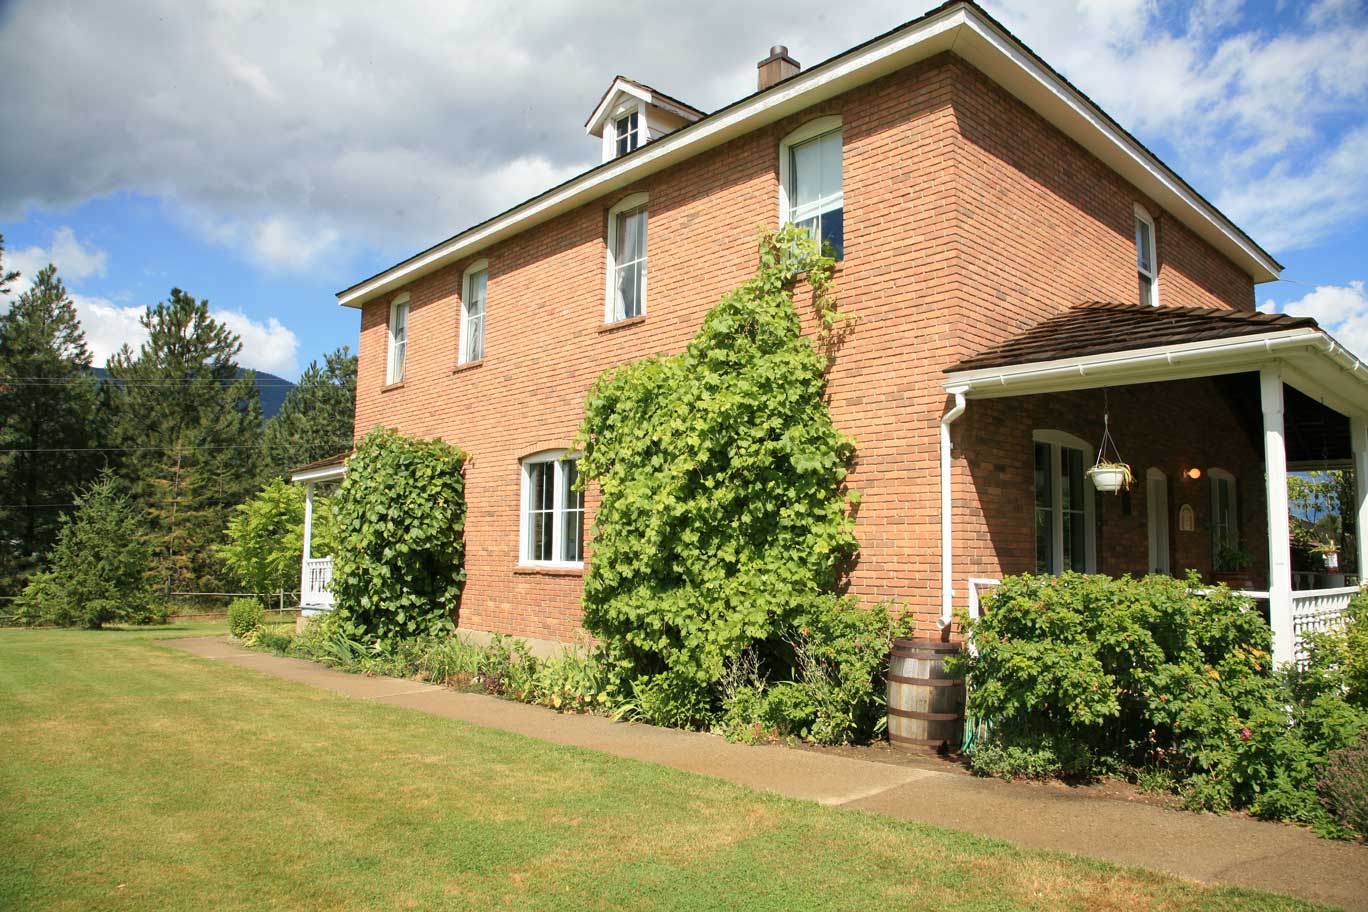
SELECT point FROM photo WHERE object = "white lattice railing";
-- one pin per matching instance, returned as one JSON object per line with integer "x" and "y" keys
{"x": 1314, "y": 610}
{"x": 314, "y": 582}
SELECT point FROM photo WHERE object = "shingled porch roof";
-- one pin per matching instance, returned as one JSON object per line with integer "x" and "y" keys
{"x": 1099, "y": 328}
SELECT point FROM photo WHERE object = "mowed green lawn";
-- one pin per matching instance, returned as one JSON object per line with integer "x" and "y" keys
{"x": 133, "y": 776}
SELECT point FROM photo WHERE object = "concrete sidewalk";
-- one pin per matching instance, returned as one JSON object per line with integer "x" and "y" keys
{"x": 1230, "y": 850}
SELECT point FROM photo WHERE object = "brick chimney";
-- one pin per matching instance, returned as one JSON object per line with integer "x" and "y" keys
{"x": 778, "y": 65}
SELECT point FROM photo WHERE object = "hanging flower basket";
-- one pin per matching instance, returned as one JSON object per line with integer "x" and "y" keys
{"x": 1111, "y": 477}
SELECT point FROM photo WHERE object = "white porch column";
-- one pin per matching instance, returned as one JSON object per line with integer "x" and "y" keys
{"x": 308, "y": 539}
{"x": 1358, "y": 436}
{"x": 1279, "y": 543}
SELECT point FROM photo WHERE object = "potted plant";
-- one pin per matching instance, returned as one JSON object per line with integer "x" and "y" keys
{"x": 1111, "y": 477}
{"x": 1231, "y": 567}
{"x": 1329, "y": 553}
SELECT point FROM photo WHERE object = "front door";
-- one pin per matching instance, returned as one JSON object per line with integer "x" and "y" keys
{"x": 1156, "y": 508}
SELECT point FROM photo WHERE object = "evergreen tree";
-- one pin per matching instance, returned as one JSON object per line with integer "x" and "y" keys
{"x": 5, "y": 277}
{"x": 99, "y": 566}
{"x": 48, "y": 410}
{"x": 188, "y": 427}
{"x": 315, "y": 421}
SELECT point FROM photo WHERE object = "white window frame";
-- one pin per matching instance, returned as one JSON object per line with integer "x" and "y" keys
{"x": 1216, "y": 478}
{"x": 463, "y": 337}
{"x": 630, "y": 203}
{"x": 813, "y": 129}
{"x": 396, "y": 353}
{"x": 558, "y": 458}
{"x": 1142, "y": 215}
{"x": 1058, "y": 440}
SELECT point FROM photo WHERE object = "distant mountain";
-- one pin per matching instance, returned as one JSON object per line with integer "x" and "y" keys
{"x": 273, "y": 389}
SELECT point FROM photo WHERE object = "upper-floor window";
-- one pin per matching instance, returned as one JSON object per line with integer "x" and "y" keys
{"x": 398, "y": 339}
{"x": 1064, "y": 532}
{"x": 552, "y": 511}
{"x": 1145, "y": 260}
{"x": 627, "y": 130}
{"x": 811, "y": 194}
{"x": 627, "y": 259}
{"x": 473, "y": 313}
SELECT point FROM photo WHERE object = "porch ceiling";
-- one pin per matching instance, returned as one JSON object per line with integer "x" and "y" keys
{"x": 1101, "y": 344}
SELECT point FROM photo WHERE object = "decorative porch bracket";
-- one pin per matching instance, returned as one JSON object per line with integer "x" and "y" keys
{"x": 1279, "y": 534}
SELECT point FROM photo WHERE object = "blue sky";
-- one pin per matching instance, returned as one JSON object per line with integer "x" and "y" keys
{"x": 266, "y": 155}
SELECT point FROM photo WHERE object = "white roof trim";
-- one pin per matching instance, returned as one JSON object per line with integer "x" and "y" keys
{"x": 1312, "y": 361}
{"x": 962, "y": 29}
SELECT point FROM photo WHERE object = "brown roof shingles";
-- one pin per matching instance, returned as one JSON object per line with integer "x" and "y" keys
{"x": 1100, "y": 327}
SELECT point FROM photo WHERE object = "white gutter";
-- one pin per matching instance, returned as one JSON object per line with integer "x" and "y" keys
{"x": 1070, "y": 373}
{"x": 947, "y": 507}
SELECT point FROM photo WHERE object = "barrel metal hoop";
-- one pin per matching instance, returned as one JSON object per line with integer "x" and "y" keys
{"x": 920, "y": 742}
{"x": 924, "y": 716}
{"x": 927, "y": 682}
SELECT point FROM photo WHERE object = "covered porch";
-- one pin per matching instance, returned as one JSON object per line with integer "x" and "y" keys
{"x": 315, "y": 575}
{"x": 1211, "y": 410}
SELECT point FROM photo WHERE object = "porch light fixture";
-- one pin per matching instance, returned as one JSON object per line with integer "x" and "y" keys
{"x": 1193, "y": 473}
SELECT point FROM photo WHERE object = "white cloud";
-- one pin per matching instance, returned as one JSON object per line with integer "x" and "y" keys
{"x": 269, "y": 346}
{"x": 74, "y": 260}
{"x": 1341, "y": 310}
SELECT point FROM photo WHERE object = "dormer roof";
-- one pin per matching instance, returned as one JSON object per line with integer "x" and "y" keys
{"x": 623, "y": 88}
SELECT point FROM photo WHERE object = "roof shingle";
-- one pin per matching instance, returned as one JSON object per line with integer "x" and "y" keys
{"x": 1101, "y": 327}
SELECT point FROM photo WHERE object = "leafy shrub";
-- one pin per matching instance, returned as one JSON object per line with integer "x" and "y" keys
{"x": 399, "y": 560}
{"x": 1345, "y": 786}
{"x": 507, "y": 668}
{"x": 265, "y": 537}
{"x": 450, "y": 660}
{"x": 98, "y": 570}
{"x": 268, "y": 639}
{"x": 244, "y": 614}
{"x": 573, "y": 681}
{"x": 1085, "y": 674}
{"x": 722, "y": 511}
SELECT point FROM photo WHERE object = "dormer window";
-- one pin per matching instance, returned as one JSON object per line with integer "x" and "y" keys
{"x": 628, "y": 132}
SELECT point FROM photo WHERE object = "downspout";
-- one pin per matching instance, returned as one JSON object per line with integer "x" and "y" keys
{"x": 947, "y": 506}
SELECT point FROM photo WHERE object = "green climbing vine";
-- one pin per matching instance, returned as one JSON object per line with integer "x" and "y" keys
{"x": 724, "y": 518}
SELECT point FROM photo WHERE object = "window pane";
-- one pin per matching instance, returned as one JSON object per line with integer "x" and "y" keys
{"x": 474, "y": 341}
{"x": 475, "y": 292}
{"x": 1044, "y": 509}
{"x": 1073, "y": 480}
{"x": 830, "y": 153}
{"x": 572, "y": 519}
{"x": 807, "y": 174}
{"x": 1144, "y": 245}
{"x": 1146, "y": 290}
{"x": 630, "y": 243}
{"x": 832, "y": 234}
{"x": 540, "y": 504}
{"x": 627, "y": 296}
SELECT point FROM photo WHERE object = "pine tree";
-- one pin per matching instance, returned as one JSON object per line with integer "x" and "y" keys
{"x": 5, "y": 277}
{"x": 315, "y": 421}
{"x": 48, "y": 417}
{"x": 188, "y": 427}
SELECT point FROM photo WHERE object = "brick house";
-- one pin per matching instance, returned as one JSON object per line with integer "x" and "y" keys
{"x": 1018, "y": 266}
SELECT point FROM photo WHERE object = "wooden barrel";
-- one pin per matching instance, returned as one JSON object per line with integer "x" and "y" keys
{"x": 925, "y": 705}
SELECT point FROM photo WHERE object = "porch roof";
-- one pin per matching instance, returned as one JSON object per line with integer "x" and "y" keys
{"x": 1099, "y": 327}
{"x": 1109, "y": 344}
{"x": 323, "y": 469}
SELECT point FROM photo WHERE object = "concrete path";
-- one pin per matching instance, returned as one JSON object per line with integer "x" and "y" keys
{"x": 1230, "y": 850}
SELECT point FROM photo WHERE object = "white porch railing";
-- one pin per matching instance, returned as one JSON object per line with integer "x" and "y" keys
{"x": 314, "y": 583}
{"x": 1314, "y": 610}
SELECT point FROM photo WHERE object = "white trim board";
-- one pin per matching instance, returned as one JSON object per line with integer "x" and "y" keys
{"x": 961, "y": 28}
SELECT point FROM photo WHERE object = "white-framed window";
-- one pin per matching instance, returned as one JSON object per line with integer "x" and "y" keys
{"x": 1146, "y": 257}
{"x": 398, "y": 339}
{"x": 626, "y": 259}
{"x": 1065, "y": 533}
{"x": 627, "y": 130}
{"x": 1225, "y": 518}
{"x": 474, "y": 286}
{"x": 1157, "y": 520}
{"x": 810, "y": 185}
{"x": 552, "y": 528}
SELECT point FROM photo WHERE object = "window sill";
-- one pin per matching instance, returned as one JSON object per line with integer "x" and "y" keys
{"x": 547, "y": 570}
{"x": 469, "y": 365}
{"x": 622, "y": 324}
{"x": 390, "y": 387}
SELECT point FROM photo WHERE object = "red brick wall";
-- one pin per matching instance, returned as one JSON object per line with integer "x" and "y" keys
{"x": 930, "y": 154}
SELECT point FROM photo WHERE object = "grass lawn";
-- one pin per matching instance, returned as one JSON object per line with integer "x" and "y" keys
{"x": 136, "y": 777}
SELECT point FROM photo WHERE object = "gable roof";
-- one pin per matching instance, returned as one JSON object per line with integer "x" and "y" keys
{"x": 1100, "y": 327}
{"x": 960, "y": 27}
